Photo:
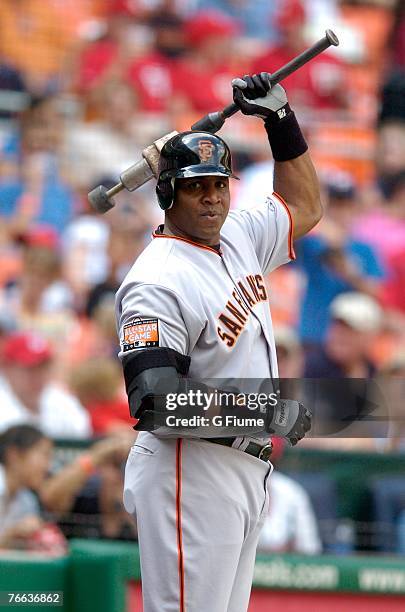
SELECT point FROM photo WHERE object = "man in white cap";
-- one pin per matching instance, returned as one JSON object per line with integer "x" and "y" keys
{"x": 347, "y": 409}
{"x": 356, "y": 319}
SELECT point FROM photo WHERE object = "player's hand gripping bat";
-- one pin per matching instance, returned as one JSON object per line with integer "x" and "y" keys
{"x": 102, "y": 200}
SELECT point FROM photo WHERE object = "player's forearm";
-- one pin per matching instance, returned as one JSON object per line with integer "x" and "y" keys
{"x": 297, "y": 183}
{"x": 294, "y": 174}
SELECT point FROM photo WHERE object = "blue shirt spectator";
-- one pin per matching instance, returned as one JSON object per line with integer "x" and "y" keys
{"x": 56, "y": 206}
{"x": 324, "y": 282}
{"x": 32, "y": 189}
{"x": 333, "y": 261}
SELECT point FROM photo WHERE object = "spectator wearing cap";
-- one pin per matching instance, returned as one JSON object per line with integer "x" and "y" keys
{"x": 319, "y": 84}
{"x": 356, "y": 319}
{"x": 29, "y": 395}
{"x": 333, "y": 262}
{"x": 341, "y": 409}
{"x": 210, "y": 61}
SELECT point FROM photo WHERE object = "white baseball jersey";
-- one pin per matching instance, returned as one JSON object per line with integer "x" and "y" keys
{"x": 212, "y": 306}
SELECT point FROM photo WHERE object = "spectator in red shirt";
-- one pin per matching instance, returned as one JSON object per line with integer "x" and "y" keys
{"x": 210, "y": 61}
{"x": 108, "y": 56}
{"x": 319, "y": 84}
{"x": 152, "y": 74}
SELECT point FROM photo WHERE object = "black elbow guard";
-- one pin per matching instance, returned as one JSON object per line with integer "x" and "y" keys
{"x": 152, "y": 373}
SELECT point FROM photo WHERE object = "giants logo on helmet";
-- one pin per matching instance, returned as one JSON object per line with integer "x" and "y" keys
{"x": 205, "y": 150}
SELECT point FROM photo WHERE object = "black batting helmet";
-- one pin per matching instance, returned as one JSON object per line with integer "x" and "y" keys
{"x": 190, "y": 154}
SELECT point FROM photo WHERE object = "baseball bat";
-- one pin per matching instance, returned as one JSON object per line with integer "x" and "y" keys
{"x": 102, "y": 199}
{"x": 214, "y": 121}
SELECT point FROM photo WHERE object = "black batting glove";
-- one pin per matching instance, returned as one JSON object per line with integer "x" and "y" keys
{"x": 254, "y": 95}
{"x": 302, "y": 426}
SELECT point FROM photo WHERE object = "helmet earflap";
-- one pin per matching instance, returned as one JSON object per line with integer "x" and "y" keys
{"x": 165, "y": 193}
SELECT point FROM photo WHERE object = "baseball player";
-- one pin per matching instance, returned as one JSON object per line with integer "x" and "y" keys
{"x": 195, "y": 307}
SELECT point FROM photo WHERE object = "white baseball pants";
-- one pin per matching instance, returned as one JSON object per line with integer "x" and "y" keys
{"x": 199, "y": 508}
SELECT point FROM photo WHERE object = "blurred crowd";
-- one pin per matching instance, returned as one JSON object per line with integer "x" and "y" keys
{"x": 85, "y": 85}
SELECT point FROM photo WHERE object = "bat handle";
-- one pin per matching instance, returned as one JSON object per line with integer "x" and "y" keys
{"x": 214, "y": 121}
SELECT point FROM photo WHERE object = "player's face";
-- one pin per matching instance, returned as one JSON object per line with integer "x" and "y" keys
{"x": 200, "y": 208}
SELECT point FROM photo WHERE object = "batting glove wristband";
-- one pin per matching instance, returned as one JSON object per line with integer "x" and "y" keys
{"x": 254, "y": 95}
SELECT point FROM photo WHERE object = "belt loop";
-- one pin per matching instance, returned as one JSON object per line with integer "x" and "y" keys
{"x": 241, "y": 443}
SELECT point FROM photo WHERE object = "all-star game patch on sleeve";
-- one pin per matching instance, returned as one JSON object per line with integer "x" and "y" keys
{"x": 140, "y": 334}
{"x": 149, "y": 316}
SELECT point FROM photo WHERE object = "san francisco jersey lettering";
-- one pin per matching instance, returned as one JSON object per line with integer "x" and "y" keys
{"x": 252, "y": 292}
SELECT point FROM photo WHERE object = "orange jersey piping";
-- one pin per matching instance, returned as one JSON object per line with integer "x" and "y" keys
{"x": 196, "y": 244}
{"x": 291, "y": 251}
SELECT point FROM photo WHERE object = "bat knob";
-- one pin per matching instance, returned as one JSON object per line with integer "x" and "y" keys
{"x": 210, "y": 123}
{"x": 100, "y": 199}
{"x": 332, "y": 38}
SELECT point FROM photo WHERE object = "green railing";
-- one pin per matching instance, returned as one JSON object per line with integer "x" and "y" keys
{"x": 94, "y": 575}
